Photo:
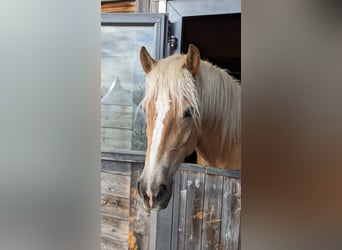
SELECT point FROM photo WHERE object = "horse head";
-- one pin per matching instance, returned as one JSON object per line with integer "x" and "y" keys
{"x": 172, "y": 114}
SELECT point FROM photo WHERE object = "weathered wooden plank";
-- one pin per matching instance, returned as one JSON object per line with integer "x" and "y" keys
{"x": 115, "y": 185}
{"x": 118, "y": 6}
{"x": 210, "y": 170}
{"x": 182, "y": 211}
{"x": 121, "y": 155}
{"x": 116, "y": 116}
{"x": 117, "y": 168}
{"x": 114, "y": 228}
{"x": 212, "y": 212}
{"x": 175, "y": 211}
{"x": 110, "y": 244}
{"x": 114, "y": 206}
{"x": 237, "y": 213}
{"x": 139, "y": 230}
{"x": 115, "y": 193}
{"x": 231, "y": 207}
{"x": 194, "y": 211}
{"x": 205, "y": 210}
{"x": 115, "y": 138}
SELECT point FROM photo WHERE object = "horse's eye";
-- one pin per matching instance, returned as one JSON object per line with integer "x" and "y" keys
{"x": 187, "y": 113}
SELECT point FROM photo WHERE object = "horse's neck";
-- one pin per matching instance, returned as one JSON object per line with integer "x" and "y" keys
{"x": 210, "y": 153}
{"x": 210, "y": 149}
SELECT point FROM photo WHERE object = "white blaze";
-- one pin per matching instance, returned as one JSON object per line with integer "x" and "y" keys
{"x": 162, "y": 107}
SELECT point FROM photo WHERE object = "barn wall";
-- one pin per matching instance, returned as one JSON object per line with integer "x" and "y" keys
{"x": 118, "y": 199}
{"x": 204, "y": 211}
{"x": 115, "y": 198}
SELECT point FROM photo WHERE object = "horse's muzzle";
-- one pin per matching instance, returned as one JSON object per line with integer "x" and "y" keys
{"x": 157, "y": 198}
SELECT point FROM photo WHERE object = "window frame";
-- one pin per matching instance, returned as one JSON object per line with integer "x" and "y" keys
{"x": 159, "y": 23}
{"x": 157, "y": 20}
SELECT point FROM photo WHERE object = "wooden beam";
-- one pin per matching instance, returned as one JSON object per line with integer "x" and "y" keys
{"x": 118, "y": 7}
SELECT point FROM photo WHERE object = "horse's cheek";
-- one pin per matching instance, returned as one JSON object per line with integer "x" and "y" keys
{"x": 186, "y": 135}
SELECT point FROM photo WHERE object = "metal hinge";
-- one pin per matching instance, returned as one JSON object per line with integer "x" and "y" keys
{"x": 172, "y": 40}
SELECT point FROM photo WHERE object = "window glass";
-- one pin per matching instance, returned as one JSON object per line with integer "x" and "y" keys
{"x": 122, "y": 86}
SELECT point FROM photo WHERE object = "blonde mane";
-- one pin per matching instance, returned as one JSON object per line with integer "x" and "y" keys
{"x": 213, "y": 95}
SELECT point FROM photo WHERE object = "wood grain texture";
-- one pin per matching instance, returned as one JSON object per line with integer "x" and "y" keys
{"x": 115, "y": 193}
{"x": 182, "y": 211}
{"x": 117, "y": 168}
{"x": 231, "y": 208}
{"x": 115, "y": 185}
{"x": 111, "y": 244}
{"x": 212, "y": 216}
{"x": 194, "y": 211}
{"x": 139, "y": 218}
{"x": 114, "y": 228}
{"x": 114, "y": 206}
{"x": 118, "y": 6}
{"x": 206, "y": 209}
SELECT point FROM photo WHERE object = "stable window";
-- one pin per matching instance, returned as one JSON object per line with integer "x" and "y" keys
{"x": 122, "y": 78}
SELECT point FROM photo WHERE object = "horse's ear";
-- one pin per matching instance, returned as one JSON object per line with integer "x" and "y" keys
{"x": 193, "y": 59}
{"x": 147, "y": 62}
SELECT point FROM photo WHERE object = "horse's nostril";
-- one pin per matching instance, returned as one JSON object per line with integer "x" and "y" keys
{"x": 162, "y": 187}
{"x": 138, "y": 186}
{"x": 162, "y": 191}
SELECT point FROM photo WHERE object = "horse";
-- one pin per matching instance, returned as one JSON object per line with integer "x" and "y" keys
{"x": 190, "y": 104}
